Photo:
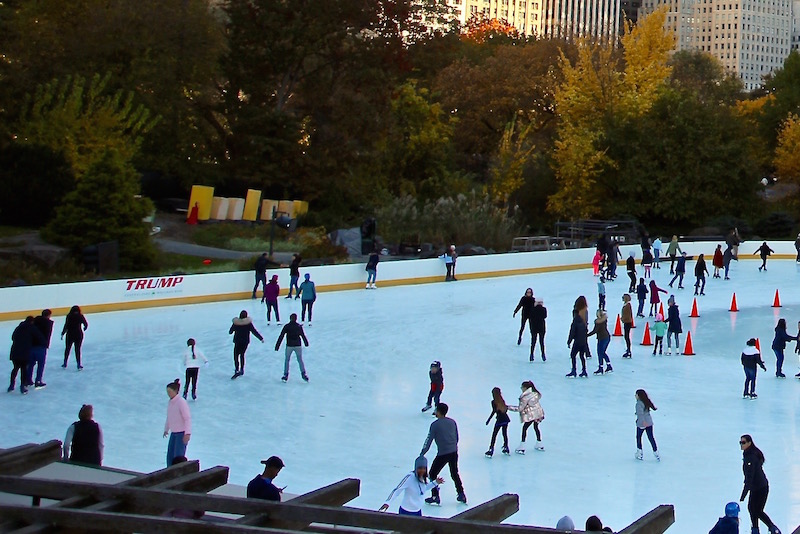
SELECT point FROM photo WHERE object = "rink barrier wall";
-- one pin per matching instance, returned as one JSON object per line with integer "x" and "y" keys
{"x": 174, "y": 290}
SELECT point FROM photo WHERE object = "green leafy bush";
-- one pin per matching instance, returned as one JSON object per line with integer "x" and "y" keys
{"x": 778, "y": 224}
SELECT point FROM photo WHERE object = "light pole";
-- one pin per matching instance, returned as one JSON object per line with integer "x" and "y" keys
{"x": 283, "y": 221}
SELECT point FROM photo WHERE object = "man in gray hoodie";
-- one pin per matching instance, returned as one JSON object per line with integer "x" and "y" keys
{"x": 444, "y": 432}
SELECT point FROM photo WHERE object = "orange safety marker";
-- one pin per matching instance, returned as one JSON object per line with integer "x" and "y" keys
{"x": 734, "y": 308}
{"x": 618, "y": 328}
{"x": 661, "y": 309}
{"x": 777, "y": 302}
{"x": 758, "y": 344}
{"x": 694, "y": 309}
{"x": 646, "y": 341}
{"x": 688, "y": 350}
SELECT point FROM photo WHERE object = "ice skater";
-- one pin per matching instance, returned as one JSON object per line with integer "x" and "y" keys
{"x": 614, "y": 255}
{"x": 577, "y": 340}
{"x": 764, "y": 251}
{"x": 797, "y": 248}
{"x": 22, "y": 341}
{"x": 680, "y": 271}
{"x": 660, "y": 328}
{"x": 294, "y": 333}
{"x": 717, "y": 261}
{"x": 779, "y": 345}
{"x": 644, "y": 423}
{"x": 647, "y": 262}
{"x": 38, "y": 357}
{"x": 627, "y": 323}
{"x": 700, "y": 272}
{"x": 413, "y": 487}
{"x": 372, "y": 269}
{"x": 751, "y": 360}
{"x": 598, "y": 256}
{"x": 84, "y": 440}
{"x": 601, "y": 292}
{"x": 260, "y": 268}
{"x": 657, "y": 253}
{"x": 755, "y": 483}
{"x": 525, "y": 305}
{"x": 192, "y": 358}
{"x": 641, "y": 296}
{"x": 454, "y": 256}
{"x": 294, "y": 274}
{"x": 655, "y": 299}
{"x": 437, "y": 385}
{"x": 241, "y": 330}
{"x": 630, "y": 265}
{"x": 447, "y": 257}
{"x": 178, "y": 424}
{"x": 603, "y": 339}
{"x": 727, "y": 256}
{"x": 530, "y": 413}
{"x": 500, "y": 413}
{"x": 308, "y": 296}
{"x": 271, "y": 292}
{"x": 733, "y": 240}
{"x": 672, "y": 251}
{"x": 444, "y": 431}
{"x": 75, "y": 325}
{"x": 538, "y": 322}
{"x": 674, "y": 326}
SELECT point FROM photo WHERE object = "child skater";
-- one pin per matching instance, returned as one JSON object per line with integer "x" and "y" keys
{"x": 751, "y": 360}
{"x": 654, "y": 298}
{"x": 674, "y": 327}
{"x": 271, "y": 292}
{"x": 437, "y": 385}
{"x": 603, "y": 339}
{"x": 627, "y": 323}
{"x": 660, "y": 328}
{"x": 530, "y": 413}
{"x": 413, "y": 487}
{"x": 641, "y": 294}
{"x": 644, "y": 423}
{"x": 647, "y": 262}
{"x": 601, "y": 292}
{"x": 596, "y": 262}
{"x": 718, "y": 261}
{"x": 191, "y": 360}
{"x": 500, "y": 413}
{"x": 526, "y": 305}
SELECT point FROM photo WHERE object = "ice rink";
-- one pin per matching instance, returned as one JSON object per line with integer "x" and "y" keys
{"x": 368, "y": 363}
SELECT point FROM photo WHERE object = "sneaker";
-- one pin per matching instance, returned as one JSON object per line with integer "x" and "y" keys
{"x": 461, "y": 497}
{"x": 285, "y": 378}
{"x": 426, "y": 408}
{"x": 304, "y": 377}
{"x": 433, "y": 499}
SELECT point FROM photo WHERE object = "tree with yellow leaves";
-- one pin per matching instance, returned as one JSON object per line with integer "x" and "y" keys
{"x": 787, "y": 153}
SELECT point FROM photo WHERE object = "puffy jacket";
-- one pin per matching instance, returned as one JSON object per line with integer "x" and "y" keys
{"x": 751, "y": 358}
{"x": 753, "y": 468}
{"x": 781, "y": 337}
{"x": 25, "y": 336}
{"x": 529, "y": 408}
{"x": 600, "y": 328}
{"x": 241, "y": 330}
{"x": 578, "y": 331}
{"x": 674, "y": 319}
{"x": 537, "y": 318}
{"x": 272, "y": 291}
{"x": 726, "y": 525}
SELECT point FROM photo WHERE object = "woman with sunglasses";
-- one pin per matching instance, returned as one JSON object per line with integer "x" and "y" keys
{"x": 755, "y": 483}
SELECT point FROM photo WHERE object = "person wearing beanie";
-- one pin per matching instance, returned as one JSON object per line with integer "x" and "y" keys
{"x": 262, "y": 486}
{"x": 414, "y": 486}
{"x": 241, "y": 330}
{"x": 730, "y": 523}
{"x": 565, "y": 523}
{"x": 538, "y": 324}
{"x": 437, "y": 385}
{"x": 307, "y": 293}
{"x": 271, "y": 292}
{"x": 751, "y": 360}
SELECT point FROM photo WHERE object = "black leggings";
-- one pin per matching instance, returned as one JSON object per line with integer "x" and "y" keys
{"x": 77, "y": 341}
{"x": 191, "y": 376}
{"x": 497, "y": 428}
{"x": 525, "y": 428}
{"x": 627, "y": 330}
{"x": 522, "y": 325}
{"x": 756, "y": 504}
{"x": 576, "y": 350}
{"x": 307, "y": 305}
{"x": 18, "y": 368}
{"x": 540, "y": 335}
{"x": 270, "y": 307}
{"x": 238, "y": 356}
{"x": 632, "y": 276}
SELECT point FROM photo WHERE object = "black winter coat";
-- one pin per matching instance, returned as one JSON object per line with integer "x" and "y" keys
{"x": 578, "y": 331}
{"x": 674, "y": 319}
{"x": 22, "y": 340}
{"x": 537, "y": 318}
{"x": 526, "y": 305}
{"x": 241, "y": 330}
{"x": 753, "y": 468}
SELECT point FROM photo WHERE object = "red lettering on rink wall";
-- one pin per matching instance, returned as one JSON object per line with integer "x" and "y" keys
{"x": 167, "y": 282}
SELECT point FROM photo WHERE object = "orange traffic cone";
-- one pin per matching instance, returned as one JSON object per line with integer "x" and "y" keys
{"x": 734, "y": 308}
{"x": 661, "y": 309}
{"x": 688, "y": 350}
{"x": 694, "y": 309}
{"x": 618, "y": 328}
{"x": 758, "y": 345}
{"x": 646, "y": 341}
{"x": 633, "y": 322}
{"x": 777, "y": 302}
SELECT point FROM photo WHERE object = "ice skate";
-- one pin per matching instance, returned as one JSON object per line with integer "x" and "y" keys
{"x": 235, "y": 375}
{"x": 433, "y": 499}
{"x": 40, "y": 385}
{"x": 657, "y": 456}
{"x": 10, "y": 389}
{"x": 746, "y": 396}
{"x": 519, "y": 340}
{"x": 373, "y": 286}
{"x": 539, "y": 446}
{"x": 80, "y": 368}
{"x": 505, "y": 450}
{"x": 753, "y": 396}
{"x": 572, "y": 374}
{"x": 609, "y": 368}
{"x": 304, "y": 377}
{"x": 774, "y": 529}
{"x": 194, "y": 396}
{"x": 544, "y": 358}
{"x": 461, "y": 497}
{"x": 23, "y": 390}
{"x": 426, "y": 408}
{"x": 531, "y": 357}
{"x": 285, "y": 378}
{"x": 184, "y": 395}
{"x": 599, "y": 371}
{"x": 489, "y": 453}
{"x": 583, "y": 374}
{"x": 639, "y": 454}
{"x": 269, "y": 324}
{"x": 520, "y": 448}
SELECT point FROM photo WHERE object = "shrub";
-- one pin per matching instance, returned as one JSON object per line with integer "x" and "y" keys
{"x": 317, "y": 244}
{"x": 778, "y": 224}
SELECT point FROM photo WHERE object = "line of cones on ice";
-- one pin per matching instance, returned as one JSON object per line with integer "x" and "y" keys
{"x": 688, "y": 350}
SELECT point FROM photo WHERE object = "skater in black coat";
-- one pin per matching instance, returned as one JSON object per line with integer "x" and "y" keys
{"x": 526, "y": 305}
{"x": 764, "y": 251}
{"x": 538, "y": 321}
{"x": 22, "y": 341}
{"x": 700, "y": 272}
{"x": 630, "y": 264}
{"x": 260, "y": 268}
{"x": 241, "y": 330}
{"x": 74, "y": 326}
{"x": 779, "y": 345}
{"x": 578, "y": 339}
{"x": 751, "y": 360}
{"x": 755, "y": 483}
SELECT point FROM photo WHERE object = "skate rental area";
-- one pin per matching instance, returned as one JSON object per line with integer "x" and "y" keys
{"x": 369, "y": 354}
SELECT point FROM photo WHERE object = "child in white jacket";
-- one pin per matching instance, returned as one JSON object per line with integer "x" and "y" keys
{"x": 413, "y": 487}
{"x": 530, "y": 413}
{"x": 191, "y": 360}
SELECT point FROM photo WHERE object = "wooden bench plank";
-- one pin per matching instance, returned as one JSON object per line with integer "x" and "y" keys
{"x": 656, "y": 521}
{"x": 497, "y": 510}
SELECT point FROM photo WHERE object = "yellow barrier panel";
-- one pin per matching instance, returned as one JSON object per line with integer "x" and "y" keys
{"x": 287, "y": 207}
{"x": 251, "y": 205}
{"x": 202, "y": 195}
{"x": 300, "y": 207}
{"x": 266, "y": 209}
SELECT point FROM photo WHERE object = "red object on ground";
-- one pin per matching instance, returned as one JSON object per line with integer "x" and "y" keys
{"x": 777, "y": 302}
{"x": 694, "y": 309}
{"x": 688, "y": 350}
{"x": 734, "y": 308}
{"x": 193, "y": 214}
{"x": 206, "y": 262}
{"x": 646, "y": 341}
{"x": 618, "y": 328}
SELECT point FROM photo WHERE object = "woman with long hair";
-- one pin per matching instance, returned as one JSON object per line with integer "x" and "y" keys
{"x": 500, "y": 412}
{"x": 530, "y": 413}
{"x": 191, "y": 360}
{"x": 779, "y": 345}
{"x": 755, "y": 483}
{"x": 525, "y": 305}
{"x": 178, "y": 424}
{"x": 74, "y": 326}
{"x": 413, "y": 487}
{"x": 644, "y": 423}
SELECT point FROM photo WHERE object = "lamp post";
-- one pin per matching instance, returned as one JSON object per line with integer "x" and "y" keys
{"x": 283, "y": 221}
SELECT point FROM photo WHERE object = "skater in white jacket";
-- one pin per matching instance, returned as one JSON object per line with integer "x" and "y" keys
{"x": 530, "y": 413}
{"x": 191, "y": 360}
{"x": 413, "y": 487}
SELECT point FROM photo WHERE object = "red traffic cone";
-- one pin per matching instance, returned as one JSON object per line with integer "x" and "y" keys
{"x": 734, "y": 308}
{"x": 777, "y": 302}
{"x": 688, "y": 350}
{"x": 633, "y": 321}
{"x": 758, "y": 345}
{"x": 694, "y": 309}
{"x": 618, "y": 328}
{"x": 661, "y": 309}
{"x": 646, "y": 341}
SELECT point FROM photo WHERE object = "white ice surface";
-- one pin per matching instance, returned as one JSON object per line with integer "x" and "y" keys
{"x": 368, "y": 362}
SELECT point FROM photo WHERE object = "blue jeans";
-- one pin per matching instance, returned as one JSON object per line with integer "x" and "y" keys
{"x": 371, "y": 280}
{"x": 176, "y": 447}
{"x": 293, "y": 284}
{"x": 656, "y": 255}
{"x": 602, "y": 345}
{"x": 298, "y": 352}
{"x": 779, "y": 364}
{"x": 641, "y": 307}
{"x": 650, "y": 437}
{"x": 261, "y": 279}
{"x": 37, "y": 359}
{"x": 749, "y": 380}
